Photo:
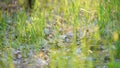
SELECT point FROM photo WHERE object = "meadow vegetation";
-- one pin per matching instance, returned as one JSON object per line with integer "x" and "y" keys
{"x": 60, "y": 34}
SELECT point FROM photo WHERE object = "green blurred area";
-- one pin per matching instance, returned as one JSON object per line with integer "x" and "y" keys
{"x": 98, "y": 20}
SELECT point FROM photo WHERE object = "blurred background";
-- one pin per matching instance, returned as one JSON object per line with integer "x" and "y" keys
{"x": 59, "y": 34}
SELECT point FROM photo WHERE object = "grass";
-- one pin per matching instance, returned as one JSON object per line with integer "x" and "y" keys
{"x": 93, "y": 24}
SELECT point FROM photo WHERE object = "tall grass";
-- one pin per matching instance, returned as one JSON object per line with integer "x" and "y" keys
{"x": 107, "y": 11}
{"x": 92, "y": 24}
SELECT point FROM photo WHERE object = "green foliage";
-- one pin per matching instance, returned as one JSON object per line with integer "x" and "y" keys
{"x": 94, "y": 26}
